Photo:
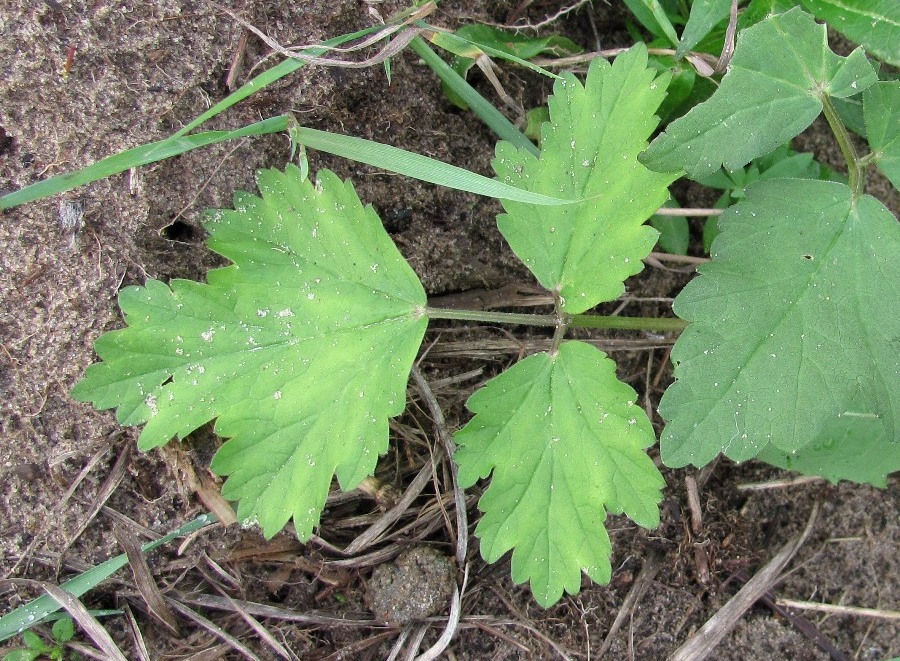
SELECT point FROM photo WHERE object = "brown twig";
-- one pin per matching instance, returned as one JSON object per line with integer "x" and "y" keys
{"x": 214, "y": 629}
{"x": 652, "y": 565}
{"x": 704, "y": 641}
{"x": 145, "y": 583}
{"x": 838, "y": 609}
{"x": 801, "y": 624}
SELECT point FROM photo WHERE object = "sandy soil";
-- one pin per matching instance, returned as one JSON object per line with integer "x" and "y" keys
{"x": 71, "y": 487}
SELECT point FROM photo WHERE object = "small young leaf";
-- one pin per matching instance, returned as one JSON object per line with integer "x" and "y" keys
{"x": 301, "y": 349}
{"x": 674, "y": 232}
{"x": 654, "y": 17}
{"x": 794, "y": 327}
{"x": 63, "y": 630}
{"x": 589, "y": 151}
{"x": 565, "y": 442}
{"x": 881, "y": 108}
{"x": 759, "y": 107}
{"x": 705, "y": 15}
{"x": 873, "y": 23}
{"x": 35, "y": 642}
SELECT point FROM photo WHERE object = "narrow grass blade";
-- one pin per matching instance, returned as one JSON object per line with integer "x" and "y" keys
{"x": 150, "y": 153}
{"x": 268, "y": 77}
{"x": 459, "y": 45}
{"x": 417, "y": 166}
{"x": 33, "y": 612}
{"x": 483, "y": 109}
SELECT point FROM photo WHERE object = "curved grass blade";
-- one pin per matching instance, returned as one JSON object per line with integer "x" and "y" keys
{"x": 268, "y": 77}
{"x": 482, "y": 108}
{"x": 35, "y": 611}
{"x": 143, "y": 155}
{"x": 419, "y": 167}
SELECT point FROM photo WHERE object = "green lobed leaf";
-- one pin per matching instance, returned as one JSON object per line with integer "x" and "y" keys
{"x": 881, "y": 109}
{"x": 757, "y": 106}
{"x": 795, "y": 328}
{"x": 589, "y": 151}
{"x": 873, "y": 23}
{"x": 705, "y": 15}
{"x": 564, "y": 441}
{"x": 301, "y": 349}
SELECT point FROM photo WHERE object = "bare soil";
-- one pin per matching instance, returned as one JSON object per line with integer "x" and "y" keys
{"x": 71, "y": 487}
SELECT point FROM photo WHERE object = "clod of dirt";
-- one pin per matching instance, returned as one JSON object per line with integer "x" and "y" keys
{"x": 416, "y": 585}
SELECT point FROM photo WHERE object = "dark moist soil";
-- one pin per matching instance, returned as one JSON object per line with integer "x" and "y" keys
{"x": 142, "y": 70}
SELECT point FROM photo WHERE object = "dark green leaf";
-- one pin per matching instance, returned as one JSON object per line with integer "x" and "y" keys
{"x": 795, "y": 328}
{"x": 759, "y": 107}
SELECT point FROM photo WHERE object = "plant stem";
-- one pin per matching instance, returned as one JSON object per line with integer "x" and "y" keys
{"x": 674, "y": 211}
{"x": 659, "y": 324}
{"x": 551, "y": 320}
{"x": 855, "y": 171}
{"x": 493, "y": 317}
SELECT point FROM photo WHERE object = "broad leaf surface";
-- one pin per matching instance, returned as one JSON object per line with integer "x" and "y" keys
{"x": 881, "y": 109}
{"x": 564, "y": 441}
{"x": 795, "y": 328}
{"x": 589, "y": 150}
{"x": 873, "y": 23}
{"x": 762, "y": 102}
{"x": 852, "y": 447}
{"x": 301, "y": 349}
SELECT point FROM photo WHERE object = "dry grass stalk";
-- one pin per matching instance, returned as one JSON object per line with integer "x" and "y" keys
{"x": 705, "y": 640}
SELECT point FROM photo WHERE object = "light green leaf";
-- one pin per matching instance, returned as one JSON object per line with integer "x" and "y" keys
{"x": 873, "y": 23}
{"x": 35, "y": 642}
{"x": 759, "y": 107}
{"x": 301, "y": 349}
{"x": 589, "y": 151}
{"x": 795, "y": 327}
{"x": 63, "y": 630}
{"x": 758, "y": 10}
{"x": 705, "y": 15}
{"x": 565, "y": 442}
{"x": 22, "y": 655}
{"x": 881, "y": 109}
